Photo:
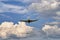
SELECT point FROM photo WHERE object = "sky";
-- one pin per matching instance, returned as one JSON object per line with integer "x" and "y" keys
{"x": 47, "y": 12}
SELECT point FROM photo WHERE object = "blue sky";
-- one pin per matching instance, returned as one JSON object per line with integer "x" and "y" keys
{"x": 46, "y": 11}
{"x": 15, "y": 16}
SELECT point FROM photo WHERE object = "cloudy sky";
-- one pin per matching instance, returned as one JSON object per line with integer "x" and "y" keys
{"x": 47, "y": 12}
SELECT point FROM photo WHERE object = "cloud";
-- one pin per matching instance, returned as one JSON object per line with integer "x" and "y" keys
{"x": 58, "y": 13}
{"x": 52, "y": 31}
{"x": 45, "y": 8}
{"x": 55, "y": 23}
{"x": 12, "y": 8}
{"x": 44, "y": 5}
{"x": 8, "y": 30}
{"x": 20, "y": 30}
{"x": 57, "y": 17}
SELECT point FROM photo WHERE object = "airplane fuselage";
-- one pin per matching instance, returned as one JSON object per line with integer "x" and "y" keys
{"x": 29, "y": 21}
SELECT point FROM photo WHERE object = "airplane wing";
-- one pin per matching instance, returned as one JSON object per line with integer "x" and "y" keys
{"x": 23, "y": 20}
{"x": 28, "y": 21}
{"x": 33, "y": 20}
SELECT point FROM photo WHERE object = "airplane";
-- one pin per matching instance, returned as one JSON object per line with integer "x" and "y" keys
{"x": 28, "y": 20}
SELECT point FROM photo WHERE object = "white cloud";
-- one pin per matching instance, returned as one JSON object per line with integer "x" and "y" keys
{"x": 55, "y": 23}
{"x": 45, "y": 8}
{"x": 20, "y": 30}
{"x": 24, "y": 32}
{"x": 58, "y": 13}
{"x": 44, "y": 5}
{"x": 52, "y": 31}
{"x": 12, "y": 8}
{"x": 57, "y": 17}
